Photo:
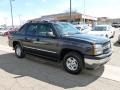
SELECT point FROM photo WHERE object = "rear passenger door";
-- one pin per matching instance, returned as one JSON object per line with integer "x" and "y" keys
{"x": 30, "y": 37}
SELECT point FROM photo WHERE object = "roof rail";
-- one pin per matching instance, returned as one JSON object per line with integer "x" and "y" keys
{"x": 33, "y": 21}
{"x": 43, "y": 21}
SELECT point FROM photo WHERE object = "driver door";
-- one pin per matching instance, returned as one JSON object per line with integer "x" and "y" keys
{"x": 47, "y": 41}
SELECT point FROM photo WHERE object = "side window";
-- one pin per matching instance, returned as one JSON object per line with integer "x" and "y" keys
{"x": 45, "y": 30}
{"x": 22, "y": 29}
{"x": 32, "y": 29}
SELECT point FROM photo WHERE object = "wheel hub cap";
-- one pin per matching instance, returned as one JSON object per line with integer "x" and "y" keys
{"x": 72, "y": 63}
{"x": 18, "y": 51}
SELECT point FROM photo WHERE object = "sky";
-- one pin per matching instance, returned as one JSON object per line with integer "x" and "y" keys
{"x": 28, "y": 9}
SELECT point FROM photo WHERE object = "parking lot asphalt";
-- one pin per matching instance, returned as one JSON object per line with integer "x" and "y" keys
{"x": 33, "y": 73}
{"x": 115, "y": 59}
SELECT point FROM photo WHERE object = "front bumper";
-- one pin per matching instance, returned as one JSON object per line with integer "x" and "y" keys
{"x": 94, "y": 62}
{"x": 119, "y": 38}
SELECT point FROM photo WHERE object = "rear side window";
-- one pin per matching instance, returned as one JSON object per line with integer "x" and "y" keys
{"x": 22, "y": 29}
{"x": 32, "y": 29}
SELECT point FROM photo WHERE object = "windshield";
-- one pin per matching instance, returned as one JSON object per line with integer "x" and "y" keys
{"x": 99, "y": 28}
{"x": 66, "y": 29}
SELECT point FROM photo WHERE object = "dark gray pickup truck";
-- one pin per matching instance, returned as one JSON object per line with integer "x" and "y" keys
{"x": 60, "y": 41}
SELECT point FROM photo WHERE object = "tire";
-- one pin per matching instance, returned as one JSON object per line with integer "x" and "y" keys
{"x": 113, "y": 35}
{"x": 73, "y": 63}
{"x": 107, "y": 36}
{"x": 19, "y": 51}
{"x": 118, "y": 42}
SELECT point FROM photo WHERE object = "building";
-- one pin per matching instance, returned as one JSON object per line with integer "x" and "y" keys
{"x": 116, "y": 20}
{"x": 65, "y": 17}
{"x": 103, "y": 20}
{"x": 106, "y": 20}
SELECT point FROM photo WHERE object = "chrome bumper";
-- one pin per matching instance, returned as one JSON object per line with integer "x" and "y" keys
{"x": 119, "y": 38}
{"x": 94, "y": 63}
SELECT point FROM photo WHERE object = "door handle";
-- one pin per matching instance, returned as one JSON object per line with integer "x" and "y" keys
{"x": 39, "y": 42}
{"x": 27, "y": 38}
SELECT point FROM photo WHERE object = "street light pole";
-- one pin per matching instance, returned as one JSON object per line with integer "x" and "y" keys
{"x": 84, "y": 13}
{"x": 20, "y": 19}
{"x": 70, "y": 10}
{"x": 11, "y": 10}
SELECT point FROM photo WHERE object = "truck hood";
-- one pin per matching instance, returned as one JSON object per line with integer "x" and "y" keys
{"x": 97, "y": 33}
{"x": 88, "y": 38}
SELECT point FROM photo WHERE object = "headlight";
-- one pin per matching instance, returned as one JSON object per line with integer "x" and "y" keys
{"x": 98, "y": 49}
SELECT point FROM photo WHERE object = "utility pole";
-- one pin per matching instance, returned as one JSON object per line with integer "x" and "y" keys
{"x": 11, "y": 10}
{"x": 70, "y": 10}
{"x": 20, "y": 19}
{"x": 84, "y": 13}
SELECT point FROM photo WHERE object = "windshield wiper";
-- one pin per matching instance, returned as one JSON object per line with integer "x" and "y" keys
{"x": 77, "y": 33}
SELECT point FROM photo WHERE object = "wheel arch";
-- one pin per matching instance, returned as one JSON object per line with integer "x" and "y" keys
{"x": 16, "y": 43}
{"x": 64, "y": 51}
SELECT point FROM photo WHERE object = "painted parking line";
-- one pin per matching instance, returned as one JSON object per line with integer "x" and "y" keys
{"x": 110, "y": 72}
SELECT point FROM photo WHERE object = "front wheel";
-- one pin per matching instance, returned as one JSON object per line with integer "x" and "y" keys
{"x": 107, "y": 36}
{"x": 113, "y": 35}
{"x": 73, "y": 63}
{"x": 119, "y": 41}
{"x": 19, "y": 51}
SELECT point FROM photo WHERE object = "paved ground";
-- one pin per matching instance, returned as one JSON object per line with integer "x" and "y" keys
{"x": 33, "y": 74}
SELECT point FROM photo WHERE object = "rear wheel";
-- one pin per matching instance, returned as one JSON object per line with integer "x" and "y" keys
{"x": 19, "y": 51}
{"x": 73, "y": 63}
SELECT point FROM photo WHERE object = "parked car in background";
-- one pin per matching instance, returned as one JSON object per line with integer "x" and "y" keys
{"x": 3, "y": 31}
{"x": 7, "y": 31}
{"x": 1, "y": 28}
{"x": 116, "y": 25}
{"x": 103, "y": 30}
{"x": 83, "y": 28}
{"x": 10, "y": 31}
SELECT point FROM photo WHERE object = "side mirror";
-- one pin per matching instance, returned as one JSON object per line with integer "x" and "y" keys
{"x": 51, "y": 34}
